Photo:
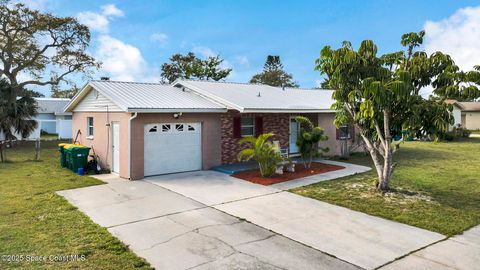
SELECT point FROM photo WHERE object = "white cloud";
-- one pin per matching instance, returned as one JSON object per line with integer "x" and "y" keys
{"x": 111, "y": 10}
{"x": 161, "y": 38}
{"x": 122, "y": 61}
{"x": 100, "y": 21}
{"x": 94, "y": 21}
{"x": 457, "y": 35}
{"x": 204, "y": 51}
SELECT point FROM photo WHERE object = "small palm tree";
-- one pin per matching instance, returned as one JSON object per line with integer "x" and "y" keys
{"x": 15, "y": 119}
{"x": 263, "y": 151}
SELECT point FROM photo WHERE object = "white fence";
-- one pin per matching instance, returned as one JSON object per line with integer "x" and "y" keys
{"x": 64, "y": 129}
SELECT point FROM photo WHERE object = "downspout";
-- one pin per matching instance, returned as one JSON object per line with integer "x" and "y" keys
{"x": 130, "y": 144}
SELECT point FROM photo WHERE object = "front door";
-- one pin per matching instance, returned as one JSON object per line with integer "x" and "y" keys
{"x": 294, "y": 131}
{"x": 115, "y": 147}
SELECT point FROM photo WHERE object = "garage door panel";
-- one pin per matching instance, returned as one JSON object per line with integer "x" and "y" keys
{"x": 170, "y": 148}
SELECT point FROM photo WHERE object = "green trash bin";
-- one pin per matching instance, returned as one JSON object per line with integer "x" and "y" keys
{"x": 63, "y": 158}
{"x": 79, "y": 158}
{"x": 76, "y": 156}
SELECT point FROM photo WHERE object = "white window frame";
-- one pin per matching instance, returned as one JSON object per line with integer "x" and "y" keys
{"x": 90, "y": 130}
{"x": 252, "y": 126}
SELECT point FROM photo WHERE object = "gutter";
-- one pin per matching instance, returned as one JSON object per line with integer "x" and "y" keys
{"x": 130, "y": 144}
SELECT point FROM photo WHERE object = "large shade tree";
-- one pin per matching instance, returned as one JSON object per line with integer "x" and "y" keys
{"x": 380, "y": 95}
{"x": 273, "y": 74}
{"x": 189, "y": 66}
{"x": 40, "y": 48}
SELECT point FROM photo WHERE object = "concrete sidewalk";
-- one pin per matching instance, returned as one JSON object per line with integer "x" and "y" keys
{"x": 458, "y": 252}
{"x": 355, "y": 237}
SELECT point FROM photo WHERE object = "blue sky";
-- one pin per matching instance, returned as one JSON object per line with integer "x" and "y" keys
{"x": 133, "y": 38}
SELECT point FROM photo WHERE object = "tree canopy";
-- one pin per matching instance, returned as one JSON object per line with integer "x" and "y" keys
{"x": 189, "y": 66}
{"x": 56, "y": 92}
{"x": 32, "y": 43}
{"x": 380, "y": 94}
{"x": 273, "y": 74}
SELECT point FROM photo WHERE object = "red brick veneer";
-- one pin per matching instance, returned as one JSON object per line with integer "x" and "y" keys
{"x": 276, "y": 123}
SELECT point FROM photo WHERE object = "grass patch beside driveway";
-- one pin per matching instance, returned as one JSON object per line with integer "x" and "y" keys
{"x": 35, "y": 221}
{"x": 436, "y": 186}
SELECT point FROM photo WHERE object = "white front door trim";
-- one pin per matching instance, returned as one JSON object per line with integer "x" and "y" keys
{"x": 115, "y": 147}
{"x": 294, "y": 129}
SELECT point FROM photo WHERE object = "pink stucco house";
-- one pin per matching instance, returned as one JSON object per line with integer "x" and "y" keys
{"x": 144, "y": 129}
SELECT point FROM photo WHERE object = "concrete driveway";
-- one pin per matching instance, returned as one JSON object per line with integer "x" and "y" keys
{"x": 360, "y": 239}
{"x": 172, "y": 231}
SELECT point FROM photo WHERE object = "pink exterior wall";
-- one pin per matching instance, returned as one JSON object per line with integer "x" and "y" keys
{"x": 325, "y": 121}
{"x": 102, "y": 136}
{"x": 211, "y": 149}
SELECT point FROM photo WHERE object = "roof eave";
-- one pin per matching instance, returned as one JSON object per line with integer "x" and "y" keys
{"x": 256, "y": 110}
{"x": 177, "y": 110}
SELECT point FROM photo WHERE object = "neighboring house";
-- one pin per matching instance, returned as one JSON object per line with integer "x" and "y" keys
{"x": 52, "y": 119}
{"x": 143, "y": 129}
{"x": 467, "y": 114}
{"x": 457, "y": 112}
{"x": 471, "y": 115}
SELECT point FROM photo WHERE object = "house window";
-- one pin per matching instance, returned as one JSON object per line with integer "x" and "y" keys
{"x": 89, "y": 126}
{"x": 166, "y": 128}
{"x": 153, "y": 129}
{"x": 247, "y": 127}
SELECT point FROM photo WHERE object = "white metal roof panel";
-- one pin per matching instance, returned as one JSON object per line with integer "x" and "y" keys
{"x": 256, "y": 97}
{"x": 152, "y": 97}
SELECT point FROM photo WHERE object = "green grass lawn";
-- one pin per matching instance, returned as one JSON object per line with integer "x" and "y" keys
{"x": 34, "y": 220}
{"x": 436, "y": 187}
{"x": 49, "y": 137}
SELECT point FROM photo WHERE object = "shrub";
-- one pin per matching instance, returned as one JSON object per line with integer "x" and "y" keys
{"x": 308, "y": 140}
{"x": 263, "y": 151}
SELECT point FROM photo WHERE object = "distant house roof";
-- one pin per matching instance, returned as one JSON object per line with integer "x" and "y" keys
{"x": 470, "y": 106}
{"x": 202, "y": 96}
{"x": 52, "y": 105}
{"x": 262, "y": 98}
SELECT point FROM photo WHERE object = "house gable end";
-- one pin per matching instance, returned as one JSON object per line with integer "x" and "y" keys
{"x": 94, "y": 101}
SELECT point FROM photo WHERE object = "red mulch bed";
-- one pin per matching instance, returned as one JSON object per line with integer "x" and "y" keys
{"x": 300, "y": 172}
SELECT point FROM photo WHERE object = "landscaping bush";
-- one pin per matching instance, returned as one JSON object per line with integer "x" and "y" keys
{"x": 308, "y": 140}
{"x": 263, "y": 151}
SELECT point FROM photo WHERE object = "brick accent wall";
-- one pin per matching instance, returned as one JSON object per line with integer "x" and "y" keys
{"x": 276, "y": 123}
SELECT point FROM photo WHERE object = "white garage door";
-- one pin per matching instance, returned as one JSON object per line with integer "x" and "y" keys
{"x": 172, "y": 147}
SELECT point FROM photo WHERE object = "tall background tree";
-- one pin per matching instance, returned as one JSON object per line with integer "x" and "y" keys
{"x": 380, "y": 94}
{"x": 42, "y": 47}
{"x": 189, "y": 66}
{"x": 273, "y": 74}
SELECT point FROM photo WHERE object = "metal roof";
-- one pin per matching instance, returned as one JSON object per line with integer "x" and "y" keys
{"x": 206, "y": 96}
{"x": 52, "y": 105}
{"x": 148, "y": 97}
{"x": 262, "y": 98}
